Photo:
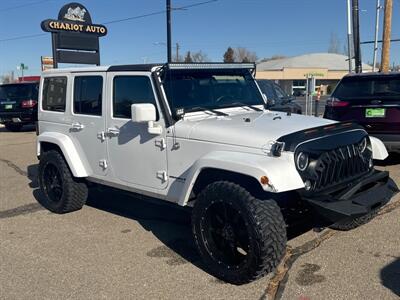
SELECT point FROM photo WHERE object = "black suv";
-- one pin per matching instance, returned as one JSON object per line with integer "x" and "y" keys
{"x": 18, "y": 104}
{"x": 277, "y": 98}
{"x": 373, "y": 101}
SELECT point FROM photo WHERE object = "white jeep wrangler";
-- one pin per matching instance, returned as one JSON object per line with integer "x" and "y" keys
{"x": 202, "y": 135}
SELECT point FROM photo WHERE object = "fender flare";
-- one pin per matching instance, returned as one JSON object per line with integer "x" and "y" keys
{"x": 77, "y": 164}
{"x": 379, "y": 151}
{"x": 282, "y": 174}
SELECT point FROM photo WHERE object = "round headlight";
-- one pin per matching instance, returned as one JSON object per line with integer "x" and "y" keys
{"x": 302, "y": 161}
{"x": 363, "y": 145}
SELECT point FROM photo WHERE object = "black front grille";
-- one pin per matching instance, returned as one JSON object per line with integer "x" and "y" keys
{"x": 339, "y": 165}
{"x": 328, "y": 169}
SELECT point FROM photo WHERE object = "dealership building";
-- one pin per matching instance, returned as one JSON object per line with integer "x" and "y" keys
{"x": 291, "y": 72}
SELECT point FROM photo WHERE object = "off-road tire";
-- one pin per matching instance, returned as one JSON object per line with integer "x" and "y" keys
{"x": 265, "y": 228}
{"x": 74, "y": 191}
{"x": 13, "y": 127}
{"x": 346, "y": 225}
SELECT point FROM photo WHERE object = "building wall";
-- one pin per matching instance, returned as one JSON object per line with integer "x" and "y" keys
{"x": 327, "y": 79}
{"x": 300, "y": 73}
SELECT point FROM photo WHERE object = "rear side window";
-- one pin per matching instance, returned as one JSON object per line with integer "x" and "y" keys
{"x": 22, "y": 91}
{"x": 88, "y": 92}
{"x": 130, "y": 90}
{"x": 54, "y": 93}
{"x": 368, "y": 87}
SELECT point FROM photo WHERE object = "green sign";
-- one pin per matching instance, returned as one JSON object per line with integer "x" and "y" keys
{"x": 375, "y": 112}
{"x": 315, "y": 74}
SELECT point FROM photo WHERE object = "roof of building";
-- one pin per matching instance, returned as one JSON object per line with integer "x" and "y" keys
{"x": 330, "y": 61}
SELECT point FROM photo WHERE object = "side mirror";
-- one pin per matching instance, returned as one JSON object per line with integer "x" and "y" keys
{"x": 145, "y": 112}
{"x": 269, "y": 102}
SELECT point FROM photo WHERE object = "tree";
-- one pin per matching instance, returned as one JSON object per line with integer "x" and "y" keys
{"x": 188, "y": 58}
{"x": 199, "y": 56}
{"x": 229, "y": 55}
{"x": 334, "y": 44}
{"x": 242, "y": 54}
{"x": 7, "y": 78}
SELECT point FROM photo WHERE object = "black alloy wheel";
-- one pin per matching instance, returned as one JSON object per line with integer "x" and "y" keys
{"x": 53, "y": 183}
{"x": 225, "y": 234}
{"x": 239, "y": 237}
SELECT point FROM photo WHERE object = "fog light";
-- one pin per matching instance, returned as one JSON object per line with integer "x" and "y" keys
{"x": 307, "y": 185}
{"x": 371, "y": 163}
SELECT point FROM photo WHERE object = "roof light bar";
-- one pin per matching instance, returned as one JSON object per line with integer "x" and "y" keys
{"x": 200, "y": 66}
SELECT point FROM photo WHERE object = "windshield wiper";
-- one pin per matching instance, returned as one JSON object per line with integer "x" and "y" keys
{"x": 200, "y": 108}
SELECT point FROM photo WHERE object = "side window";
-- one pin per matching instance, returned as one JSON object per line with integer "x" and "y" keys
{"x": 88, "y": 92}
{"x": 54, "y": 93}
{"x": 130, "y": 90}
{"x": 281, "y": 94}
{"x": 267, "y": 89}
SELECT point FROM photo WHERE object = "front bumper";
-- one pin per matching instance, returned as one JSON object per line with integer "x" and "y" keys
{"x": 370, "y": 193}
{"x": 25, "y": 116}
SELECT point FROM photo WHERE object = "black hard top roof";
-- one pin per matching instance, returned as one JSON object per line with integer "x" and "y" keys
{"x": 137, "y": 67}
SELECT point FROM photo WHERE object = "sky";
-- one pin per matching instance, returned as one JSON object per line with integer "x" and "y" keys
{"x": 268, "y": 27}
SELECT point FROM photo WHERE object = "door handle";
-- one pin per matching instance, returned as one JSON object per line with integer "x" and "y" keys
{"x": 77, "y": 126}
{"x": 113, "y": 132}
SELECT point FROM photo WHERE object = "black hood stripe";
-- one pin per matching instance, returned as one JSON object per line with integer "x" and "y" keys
{"x": 292, "y": 140}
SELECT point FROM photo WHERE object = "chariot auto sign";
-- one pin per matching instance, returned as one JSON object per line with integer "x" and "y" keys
{"x": 75, "y": 38}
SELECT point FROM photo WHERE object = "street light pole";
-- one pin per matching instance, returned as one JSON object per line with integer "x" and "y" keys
{"x": 378, "y": 9}
{"x": 169, "y": 42}
{"x": 356, "y": 36}
{"x": 349, "y": 36}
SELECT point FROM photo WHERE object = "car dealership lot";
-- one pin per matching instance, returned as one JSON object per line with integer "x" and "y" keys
{"x": 121, "y": 247}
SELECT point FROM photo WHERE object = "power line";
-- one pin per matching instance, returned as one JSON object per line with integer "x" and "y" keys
{"x": 23, "y": 37}
{"x": 158, "y": 12}
{"x": 112, "y": 21}
{"x": 24, "y": 5}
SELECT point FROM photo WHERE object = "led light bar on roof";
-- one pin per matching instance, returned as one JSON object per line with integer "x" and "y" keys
{"x": 184, "y": 66}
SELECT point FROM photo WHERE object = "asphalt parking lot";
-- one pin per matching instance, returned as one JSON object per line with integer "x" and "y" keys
{"x": 120, "y": 247}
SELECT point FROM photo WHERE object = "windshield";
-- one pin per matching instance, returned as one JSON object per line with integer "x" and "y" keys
{"x": 18, "y": 91}
{"x": 195, "y": 90}
{"x": 371, "y": 87}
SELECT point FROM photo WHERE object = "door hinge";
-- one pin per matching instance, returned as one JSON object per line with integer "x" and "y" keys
{"x": 103, "y": 164}
{"x": 101, "y": 136}
{"x": 162, "y": 175}
{"x": 161, "y": 143}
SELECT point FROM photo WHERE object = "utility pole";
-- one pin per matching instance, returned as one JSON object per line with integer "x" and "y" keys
{"x": 177, "y": 52}
{"x": 169, "y": 46}
{"x": 22, "y": 67}
{"x": 378, "y": 9}
{"x": 356, "y": 36}
{"x": 387, "y": 28}
{"x": 349, "y": 37}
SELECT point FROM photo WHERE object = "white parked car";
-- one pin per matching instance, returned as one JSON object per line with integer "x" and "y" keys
{"x": 202, "y": 135}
